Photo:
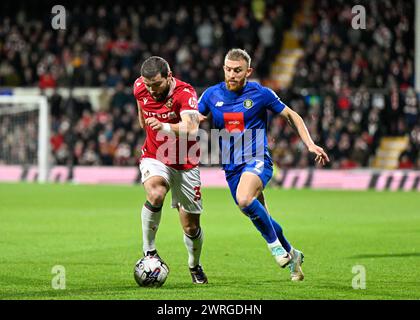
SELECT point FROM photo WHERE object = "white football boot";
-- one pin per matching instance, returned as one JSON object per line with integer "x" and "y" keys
{"x": 295, "y": 266}
{"x": 282, "y": 257}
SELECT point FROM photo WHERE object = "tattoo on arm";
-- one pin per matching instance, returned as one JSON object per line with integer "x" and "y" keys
{"x": 194, "y": 118}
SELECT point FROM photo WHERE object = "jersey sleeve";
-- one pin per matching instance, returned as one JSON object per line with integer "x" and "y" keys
{"x": 188, "y": 101}
{"x": 203, "y": 106}
{"x": 272, "y": 101}
{"x": 136, "y": 89}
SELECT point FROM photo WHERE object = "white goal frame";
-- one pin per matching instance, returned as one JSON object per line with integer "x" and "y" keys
{"x": 36, "y": 103}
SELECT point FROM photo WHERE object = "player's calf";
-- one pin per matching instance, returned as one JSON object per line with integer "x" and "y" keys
{"x": 194, "y": 243}
{"x": 150, "y": 219}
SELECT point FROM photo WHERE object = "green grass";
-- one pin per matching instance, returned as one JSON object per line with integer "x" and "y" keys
{"x": 94, "y": 232}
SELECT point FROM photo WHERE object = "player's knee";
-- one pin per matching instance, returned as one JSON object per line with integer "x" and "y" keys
{"x": 191, "y": 230}
{"x": 243, "y": 200}
{"x": 157, "y": 196}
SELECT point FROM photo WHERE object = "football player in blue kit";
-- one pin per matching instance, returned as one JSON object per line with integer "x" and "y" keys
{"x": 239, "y": 108}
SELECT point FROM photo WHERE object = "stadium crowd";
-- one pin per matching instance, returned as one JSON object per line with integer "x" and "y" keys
{"x": 351, "y": 86}
{"x": 104, "y": 44}
{"x": 361, "y": 85}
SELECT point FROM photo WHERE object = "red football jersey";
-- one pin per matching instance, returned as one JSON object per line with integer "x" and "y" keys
{"x": 173, "y": 151}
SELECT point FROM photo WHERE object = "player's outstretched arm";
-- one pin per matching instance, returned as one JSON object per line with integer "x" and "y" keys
{"x": 297, "y": 123}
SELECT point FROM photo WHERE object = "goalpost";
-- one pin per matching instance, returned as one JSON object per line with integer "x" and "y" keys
{"x": 25, "y": 132}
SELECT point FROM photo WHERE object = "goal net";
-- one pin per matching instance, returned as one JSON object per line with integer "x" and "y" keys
{"x": 24, "y": 133}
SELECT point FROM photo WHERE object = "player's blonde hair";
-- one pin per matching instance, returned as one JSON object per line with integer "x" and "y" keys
{"x": 237, "y": 54}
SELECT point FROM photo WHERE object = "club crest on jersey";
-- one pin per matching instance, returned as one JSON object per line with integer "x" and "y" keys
{"x": 169, "y": 103}
{"x": 248, "y": 103}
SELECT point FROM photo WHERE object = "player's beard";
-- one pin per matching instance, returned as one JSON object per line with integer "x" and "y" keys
{"x": 162, "y": 96}
{"x": 237, "y": 86}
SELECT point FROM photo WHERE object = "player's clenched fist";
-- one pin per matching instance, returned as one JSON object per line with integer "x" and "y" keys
{"x": 154, "y": 123}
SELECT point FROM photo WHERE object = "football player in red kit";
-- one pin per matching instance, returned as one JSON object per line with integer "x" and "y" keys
{"x": 168, "y": 112}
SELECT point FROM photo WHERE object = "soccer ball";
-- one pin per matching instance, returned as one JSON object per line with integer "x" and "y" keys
{"x": 150, "y": 272}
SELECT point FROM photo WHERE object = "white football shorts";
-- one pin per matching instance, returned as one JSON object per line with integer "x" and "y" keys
{"x": 184, "y": 184}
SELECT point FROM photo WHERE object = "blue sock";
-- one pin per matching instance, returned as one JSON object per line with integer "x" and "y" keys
{"x": 279, "y": 232}
{"x": 261, "y": 220}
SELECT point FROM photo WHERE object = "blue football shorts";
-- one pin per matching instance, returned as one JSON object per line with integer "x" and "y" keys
{"x": 263, "y": 169}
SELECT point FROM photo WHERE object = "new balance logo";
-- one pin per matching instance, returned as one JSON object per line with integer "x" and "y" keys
{"x": 219, "y": 103}
{"x": 187, "y": 90}
{"x": 145, "y": 101}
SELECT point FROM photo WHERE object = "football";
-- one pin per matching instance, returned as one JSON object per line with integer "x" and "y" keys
{"x": 150, "y": 272}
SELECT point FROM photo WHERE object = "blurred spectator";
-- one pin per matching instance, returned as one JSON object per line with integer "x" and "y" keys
{"x": 120, "y": 97}
{"x": 205, "y": 34}
{"x": 405, "y": 162}
{"x": 266, "y": 34}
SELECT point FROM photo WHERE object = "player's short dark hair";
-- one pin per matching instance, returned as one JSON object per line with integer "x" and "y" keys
{"x": 154, "y": 65}
{"x": 237, "y": 54}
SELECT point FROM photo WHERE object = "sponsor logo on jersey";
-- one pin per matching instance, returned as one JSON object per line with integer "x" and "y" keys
{"x": 234, "y": 121}
{"x": 167, "y": 115}
{"x": 248, "y": 103}
{"x": 192, "y": 102}
{"x": 219, "y": 103}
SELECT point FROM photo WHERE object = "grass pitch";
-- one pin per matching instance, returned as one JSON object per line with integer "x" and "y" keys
{"x": 94, "y": 232}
